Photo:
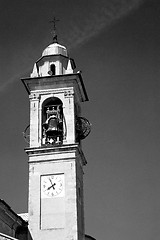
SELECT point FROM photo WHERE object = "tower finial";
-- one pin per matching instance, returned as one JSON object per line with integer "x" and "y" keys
{"x": 54, "y": 35}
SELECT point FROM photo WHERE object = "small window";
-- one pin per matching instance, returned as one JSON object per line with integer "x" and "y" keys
{"x": 52, "y": 70}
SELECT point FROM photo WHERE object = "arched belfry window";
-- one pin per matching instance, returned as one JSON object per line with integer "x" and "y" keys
{"x": 52, "y": 121}
{"x": 52, "y": 70}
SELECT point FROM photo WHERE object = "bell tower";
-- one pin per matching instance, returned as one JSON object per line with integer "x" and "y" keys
{"x": 55, "y": 156}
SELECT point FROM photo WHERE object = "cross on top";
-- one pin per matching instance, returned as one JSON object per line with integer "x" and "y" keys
{"x": 54, "y": 29}
{"x": 54, "y": 22}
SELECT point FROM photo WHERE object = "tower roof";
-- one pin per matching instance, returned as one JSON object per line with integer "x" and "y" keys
{"x": 54, "y": 49}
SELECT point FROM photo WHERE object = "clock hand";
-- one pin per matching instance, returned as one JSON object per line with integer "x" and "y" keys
{"x": 50, "y": 181}
{"x": 49, "y": 188}
{"x": 53, "y": 185}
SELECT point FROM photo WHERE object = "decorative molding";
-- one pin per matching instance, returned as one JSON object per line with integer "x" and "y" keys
{"x": 57, "y": 150}
{"x": 68, "y": 94}
{"x": 34, "y": 96}
{"x": 6, "y": 237}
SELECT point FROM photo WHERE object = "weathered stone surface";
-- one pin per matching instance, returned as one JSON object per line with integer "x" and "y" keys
{"x": 56, "y": 218}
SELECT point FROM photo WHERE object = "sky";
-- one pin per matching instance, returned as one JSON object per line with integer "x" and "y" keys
{"x": 116, "y": 44}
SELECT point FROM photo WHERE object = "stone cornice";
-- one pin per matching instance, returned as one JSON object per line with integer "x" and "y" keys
{"x": 56, "y": 150}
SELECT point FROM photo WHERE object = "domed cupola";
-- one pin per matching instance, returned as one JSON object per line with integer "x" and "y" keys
{"x": 54, "y": 49}
{"x": 54, "y": 61}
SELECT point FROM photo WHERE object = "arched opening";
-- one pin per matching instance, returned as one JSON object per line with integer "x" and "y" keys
{"x": 52, "y": 70}
{"x": 52, "y": 121}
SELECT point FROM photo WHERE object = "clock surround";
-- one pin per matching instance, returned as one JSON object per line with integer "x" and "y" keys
{"x": 52, "y": 185}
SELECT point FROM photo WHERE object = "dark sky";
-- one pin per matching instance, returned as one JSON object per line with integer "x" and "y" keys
{"x": 116, "y": 44}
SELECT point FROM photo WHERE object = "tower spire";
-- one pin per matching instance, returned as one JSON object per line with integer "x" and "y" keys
{"x": 55, "y": 157}
{"x": 53, "y": 32}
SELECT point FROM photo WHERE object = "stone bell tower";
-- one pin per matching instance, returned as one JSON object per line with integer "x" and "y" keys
{"x": 55, "y": 156}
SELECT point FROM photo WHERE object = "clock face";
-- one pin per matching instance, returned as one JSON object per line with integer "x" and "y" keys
{"x": 52, "y": 185}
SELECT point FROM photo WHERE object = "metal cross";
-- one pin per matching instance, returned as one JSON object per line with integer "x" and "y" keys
{"x": 54, "y": 29}
{"x": 54, "y": 23}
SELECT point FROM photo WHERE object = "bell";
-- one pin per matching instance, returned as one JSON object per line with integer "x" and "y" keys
{"x": 52, "y": 129}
